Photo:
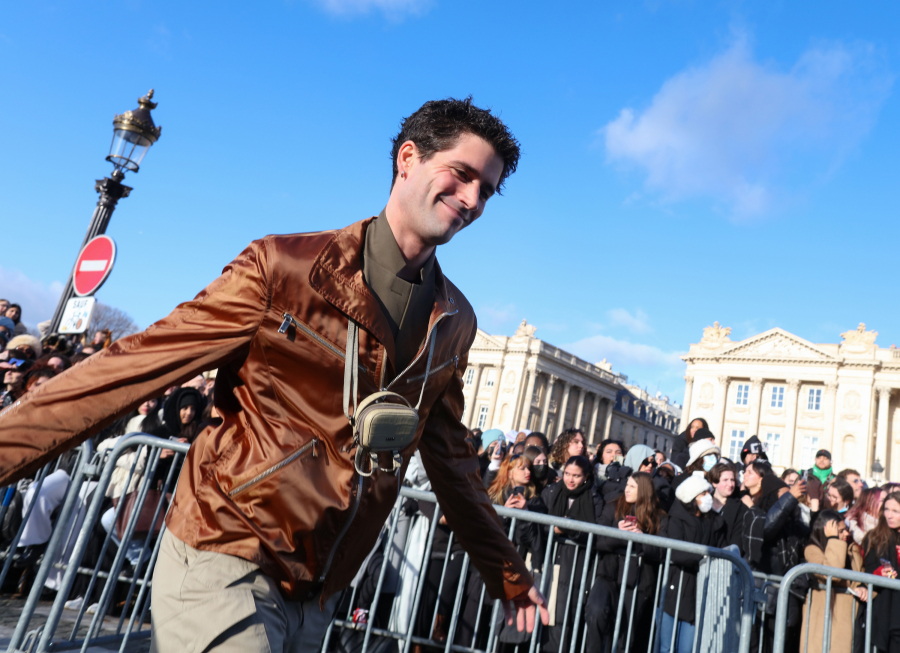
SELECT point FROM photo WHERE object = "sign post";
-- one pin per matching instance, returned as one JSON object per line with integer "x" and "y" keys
{"x": 77, "y": 315}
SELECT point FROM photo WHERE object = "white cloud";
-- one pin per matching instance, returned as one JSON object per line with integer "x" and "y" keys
{"x": 38, "y": 301}
{"x": 733, "y": 128}
{"x": 639, "y": 322}
{"x": 622, "y": 353}
{"x": 394, "y": 9}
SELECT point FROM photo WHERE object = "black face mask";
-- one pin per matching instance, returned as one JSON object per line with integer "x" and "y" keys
{"x": 539, "y": 471}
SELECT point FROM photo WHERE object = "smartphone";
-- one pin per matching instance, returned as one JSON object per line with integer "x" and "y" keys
{"x": 519, "y": 489}
{"x": 631, "y": 519}
{"x": 805, "y": 475}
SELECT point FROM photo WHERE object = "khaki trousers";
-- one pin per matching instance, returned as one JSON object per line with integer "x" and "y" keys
{"x": 207, "y": 601}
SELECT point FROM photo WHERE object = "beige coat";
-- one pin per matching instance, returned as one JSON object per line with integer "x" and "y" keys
{"x": 835, "y": 555}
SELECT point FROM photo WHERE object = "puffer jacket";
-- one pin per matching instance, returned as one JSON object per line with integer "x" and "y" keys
{"x": 275, "y": 482}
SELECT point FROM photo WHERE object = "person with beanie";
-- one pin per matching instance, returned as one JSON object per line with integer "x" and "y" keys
{"x": 495, "y": 447}
{"x": 7, "y": 331}
{"x": 752, "y": 450}
{"x": 817, "y": 478}
{"x": 691, "y": 519}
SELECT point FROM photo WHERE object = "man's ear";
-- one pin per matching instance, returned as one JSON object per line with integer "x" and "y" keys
{"x": 407, "y": 157}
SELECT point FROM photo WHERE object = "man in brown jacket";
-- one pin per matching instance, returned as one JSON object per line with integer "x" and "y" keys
{"x": 257, "y": 550}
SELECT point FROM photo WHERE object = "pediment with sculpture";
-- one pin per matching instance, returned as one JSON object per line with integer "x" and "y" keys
{"x": 776, "y": 344}
{"x": 485, "y": 341}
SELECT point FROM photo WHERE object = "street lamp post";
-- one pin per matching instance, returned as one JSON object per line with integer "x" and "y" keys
{"x": 133, "y": 134}
{"x": 877, "y": 470}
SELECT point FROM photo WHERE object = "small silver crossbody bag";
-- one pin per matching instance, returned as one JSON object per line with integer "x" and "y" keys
{"x": 384, "y": 422}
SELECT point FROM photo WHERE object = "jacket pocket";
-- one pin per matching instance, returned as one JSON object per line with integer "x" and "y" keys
{"x": 310, "y": 333}
{"x": 302, "y": 452}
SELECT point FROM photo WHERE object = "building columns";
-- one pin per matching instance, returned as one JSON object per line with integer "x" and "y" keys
{"x": 881, "y": 442}
{"x": 492, "y": 411}
{"x": 595, "y": 410}
{"x": 686, "y": 407}
{"x": 525, "y": 411}
{"x": 470, "y": 411}
{"x": 828, "y": 405}
{"x": 567, "y": 388}
{"x": 545, "y": 411}
{"x": 756, "y": 386}
{"x": 721, "y": 410}
{"x": 579, "y": 409}
{"x": 790, "y": 423}
{"x": 607, "y": 423}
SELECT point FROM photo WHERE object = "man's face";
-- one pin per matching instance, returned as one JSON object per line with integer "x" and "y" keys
{"x": 856, "y": 483}
{"x": 448, "y": 192}
{"x": 823, "y": 462}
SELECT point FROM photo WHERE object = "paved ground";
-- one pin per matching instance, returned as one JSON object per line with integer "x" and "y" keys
{"x": 11, "y": 609}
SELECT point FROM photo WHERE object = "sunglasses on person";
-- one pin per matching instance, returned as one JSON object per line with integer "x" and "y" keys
{"x": 650, "y": 461}
{"x": 16, "y": 362}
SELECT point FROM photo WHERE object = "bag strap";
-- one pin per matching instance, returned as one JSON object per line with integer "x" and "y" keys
{"x": 351, "y": 373}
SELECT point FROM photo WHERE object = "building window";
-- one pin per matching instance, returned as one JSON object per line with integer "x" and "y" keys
{"x": 470, "y": 376}
{"x": 482, "y": 417}
{"x": 491, "y": 379}
{"x": 774, "y": 452}
{"x": 778, "y": 396}
{"x": 621, "y": 428}
{"x": 743, "y": 392}
{"x": 735, "y": 446}
{"x": 808, "y": 451}
{"x": 815, "y": 399}
{"x": 624, "y": 404}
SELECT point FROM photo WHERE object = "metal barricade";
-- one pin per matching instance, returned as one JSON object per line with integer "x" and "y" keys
{"x": 134, "y": 584}
{"x": 781, "y": 613}
{"x": 407, "y": 606}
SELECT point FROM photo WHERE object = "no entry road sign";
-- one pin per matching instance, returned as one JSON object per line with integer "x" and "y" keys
{"x": 93, "y": 265}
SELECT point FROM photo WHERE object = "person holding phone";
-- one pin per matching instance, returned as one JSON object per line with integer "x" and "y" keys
{"x": 637, "y": 511}
{"x": 882, "y": 547}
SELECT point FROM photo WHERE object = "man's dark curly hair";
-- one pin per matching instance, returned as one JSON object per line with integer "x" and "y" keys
{"x": 437, "y": 125}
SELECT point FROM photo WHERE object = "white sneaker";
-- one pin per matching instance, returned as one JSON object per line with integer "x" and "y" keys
{"x": 74, "y": 604}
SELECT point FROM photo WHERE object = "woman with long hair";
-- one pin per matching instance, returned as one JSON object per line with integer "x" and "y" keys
{"x": 636, "y": 511}
{"x": 830, "y": 545}
{"x": 540, "y": 470}
{"x": 753, "y": 475}
{"x": 573, "y": 497}
{"x": 863, "y": 516}
{"x": 679, "y": 453}
{"x": 569, "y": 443}
{"x": 882, "y": 558}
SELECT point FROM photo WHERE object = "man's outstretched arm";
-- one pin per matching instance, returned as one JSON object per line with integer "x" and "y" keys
{"x": 197, "y": 336}
{"x": 456, "y": 481}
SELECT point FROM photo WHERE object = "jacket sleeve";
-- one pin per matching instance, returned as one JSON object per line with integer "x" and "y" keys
{"x": 835, "y": 555}
{"x": 779, "y": 515}
{"x": 456, "y": 480}
{"x": 684, "y": 560}
{"x": 198, "y": 335}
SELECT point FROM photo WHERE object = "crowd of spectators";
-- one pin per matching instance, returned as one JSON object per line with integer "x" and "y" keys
{"x": 775, "y": 521}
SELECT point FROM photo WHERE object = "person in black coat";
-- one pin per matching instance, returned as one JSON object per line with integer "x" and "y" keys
{"x": 723, "y": 478}
{"x": 679, "y": 454}
{"x": 636, "y": 511}
{"x": 882, "y": 547}
{"x": 690, "y": 520}
{"x": 573, "y": 497}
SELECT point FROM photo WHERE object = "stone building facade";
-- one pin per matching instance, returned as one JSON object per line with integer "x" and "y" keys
{"x": 799, "y": 397}
{"x": 522, "y": 382}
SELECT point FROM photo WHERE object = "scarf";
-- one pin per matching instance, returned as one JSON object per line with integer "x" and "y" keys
{"x": 821, "y": 474}
{"x": 582, "y": 508}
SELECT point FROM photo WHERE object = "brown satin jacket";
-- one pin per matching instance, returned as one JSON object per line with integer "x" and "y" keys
{"x": 275, "y": 482}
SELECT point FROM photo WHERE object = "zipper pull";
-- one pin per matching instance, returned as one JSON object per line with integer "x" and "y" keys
{"x": 315, "y": 441}
{"x": 456, "y": 361}
{"x": 286, "y": 323}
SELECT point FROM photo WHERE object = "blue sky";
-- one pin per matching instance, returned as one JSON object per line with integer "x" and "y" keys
{"x": 683, "y": 162}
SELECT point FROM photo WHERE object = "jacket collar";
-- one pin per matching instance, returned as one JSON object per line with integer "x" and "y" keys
{"x": 337, "y": 275}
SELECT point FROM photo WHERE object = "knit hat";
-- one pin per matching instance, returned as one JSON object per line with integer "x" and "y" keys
{"x": 700, "y": 448}
{"x": 695, "y": 485}
{"x": 489, "y": 436}
{"x": 703, "y": 434}
{"x": 26, "y": 340}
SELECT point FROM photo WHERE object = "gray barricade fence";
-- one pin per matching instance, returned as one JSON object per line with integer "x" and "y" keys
{"x": 124, "y": 540}
{"x": 795, "y": 574}
{"x": 416, "y": 591}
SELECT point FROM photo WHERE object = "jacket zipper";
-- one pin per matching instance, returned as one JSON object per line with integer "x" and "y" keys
{"x": 434, "y": 370}
{"x": 289, "y": 320}
{"x": 355, "y": 505}
{"x": 274, "y": 468}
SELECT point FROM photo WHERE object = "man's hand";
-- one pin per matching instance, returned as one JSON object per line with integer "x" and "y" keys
{"x": 523, "y": 605}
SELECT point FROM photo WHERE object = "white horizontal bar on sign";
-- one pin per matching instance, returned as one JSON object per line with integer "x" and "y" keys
{"x": 93, "y": 266}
